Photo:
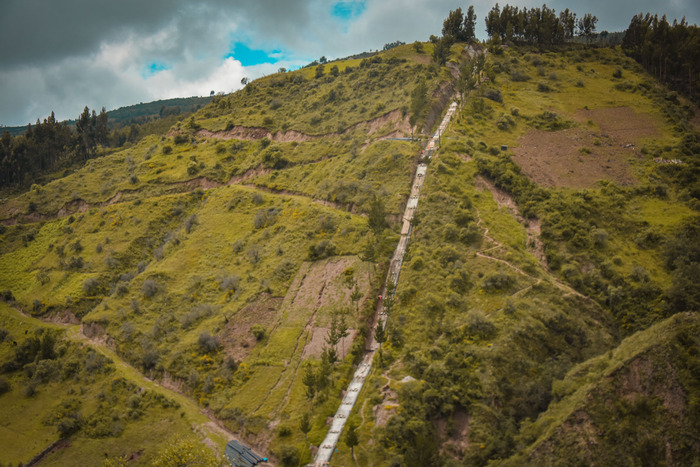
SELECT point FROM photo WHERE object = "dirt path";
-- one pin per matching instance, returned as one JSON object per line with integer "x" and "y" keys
{"x": 395, "y": 117}
{"x": 213, "y": 431}
{"x": 79, "y": 205}
{"x": 532, "y": 226}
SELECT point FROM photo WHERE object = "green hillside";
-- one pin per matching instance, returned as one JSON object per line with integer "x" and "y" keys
{"x": 220, "y": 278}
{"x": 217, "y": 264}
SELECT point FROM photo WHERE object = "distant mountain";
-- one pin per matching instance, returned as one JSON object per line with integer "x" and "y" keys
{"x": 139, "y": 113}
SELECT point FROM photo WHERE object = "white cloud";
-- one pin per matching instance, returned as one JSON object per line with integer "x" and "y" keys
{"x": 74, "y": 53}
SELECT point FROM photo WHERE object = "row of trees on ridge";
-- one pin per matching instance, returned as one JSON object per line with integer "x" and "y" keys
{"x": 670, "y": 52}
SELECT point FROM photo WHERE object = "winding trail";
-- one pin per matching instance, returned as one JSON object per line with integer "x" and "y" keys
{"x": 212, "y": 430}
{"x": 327, "y": 447}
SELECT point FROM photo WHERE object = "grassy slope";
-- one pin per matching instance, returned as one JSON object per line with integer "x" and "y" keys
{"x": 630, "y": 405}
{"x": 131, "y": 404}
{"x": 519, "y": 340}
{"x": 149, "y": 246}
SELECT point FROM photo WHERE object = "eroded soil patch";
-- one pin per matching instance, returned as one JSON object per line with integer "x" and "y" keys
{"x": 237, "y": 337}
{"x": 579, "y": 157}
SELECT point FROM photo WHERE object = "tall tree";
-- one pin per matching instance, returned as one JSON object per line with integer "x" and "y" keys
{"x": 441, "y": 49}
{"x": 351, "y": 438}
{"x": 469, "y": 27}
{"x": 452, "y": 26}
{"x": 377, "y": 216}
{"x": 493, "y": 22}
{"x": 380, "y": 334}
{"x": 86, "y": 139}
{"x": 586, "y": 25}
{"x": 305, "y": 424}
{"x": 102, "y": 128}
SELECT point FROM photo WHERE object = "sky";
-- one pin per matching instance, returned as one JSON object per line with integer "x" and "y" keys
{"x": 61, "y": 55}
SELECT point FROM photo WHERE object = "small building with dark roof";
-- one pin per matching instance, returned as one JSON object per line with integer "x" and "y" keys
{"x": 241, "y": 456}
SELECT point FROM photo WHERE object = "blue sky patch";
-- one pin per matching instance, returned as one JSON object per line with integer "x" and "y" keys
{"x": 248, "y": 56}
{"x": 154, "y": 68}
{"x": 346, "y": 11}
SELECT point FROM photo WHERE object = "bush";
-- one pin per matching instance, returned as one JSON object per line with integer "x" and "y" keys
{"x": 518, "y": 75}
{"x": 190, "y": 222}
{"x": 208, "y": 343}
{"x": 497, "y": 281}
{"x": 617, "y": 73}
{"x": 285, "y": 269}
{"x": 5, "y": 385}
{"x": 543, "y": 87}
{"x": 91, "y": 286}
{"x": 289, "y": 456}
{"x": 253, "y": 254}
{"x": 493, "y": 94}
{"x": 150, "y": 288}
{"x": 265, "y": 218}
{"x": 229, "y": 283}
{"x": 167, "y": 149}
{"x": 258, "y": 331}
{"x": 192, "y": 168}
{"x": 321, "y": 250}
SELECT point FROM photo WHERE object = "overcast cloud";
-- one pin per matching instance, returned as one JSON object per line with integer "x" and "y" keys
{"x": 61, "y": 55}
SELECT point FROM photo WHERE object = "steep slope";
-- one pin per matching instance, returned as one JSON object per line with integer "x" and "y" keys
{"x": 562, "y": 153}
{"x": 223, "y": 257}
{"x": 636, "y": 405}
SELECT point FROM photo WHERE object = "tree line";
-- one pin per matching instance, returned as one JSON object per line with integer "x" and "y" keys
{"x": 670, "y": 52}
{"x": 538, "y": 26}
{"x": 49, "y": 145}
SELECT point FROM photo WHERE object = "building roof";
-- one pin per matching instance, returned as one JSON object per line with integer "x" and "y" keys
{"x": 241, "y": 456}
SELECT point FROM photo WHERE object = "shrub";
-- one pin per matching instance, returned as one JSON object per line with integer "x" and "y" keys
{"x": 265, "y": 218}
{"x": 208, "y": 343}
{"x": 190, "y": 222}
{"x": 289, "y": 456}
{"x": 321, "y": 250}
{"x": 253, "y": 254}
{"x": 617, "y": 73}
{"x": 198, "y": 312}
{"x": 493, "y": 94}
{"x": 150, "y": 288}
{"x": 579, "y": 84}
{"x": 497, "y": 281}
{"x": 167, "y": 149}
{"x": 258, "y": 331}
{"x": 91, "y": 286}
{"x": 238, "y": 246}
{"x": 192, "y": 168}
{"x": 543, "y": 87}
{"x": 479, "y": 325}
{"x": 229, "y": 283}
{"x": 285, "y": 269}
{"x": 4, "y": 385}
{"x": 518, "y": 75}
{"x": 180, "y": 139}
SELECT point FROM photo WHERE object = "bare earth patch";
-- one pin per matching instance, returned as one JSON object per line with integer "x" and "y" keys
{"x": 579, "y": 157}
{"x": 237, "y": 338}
